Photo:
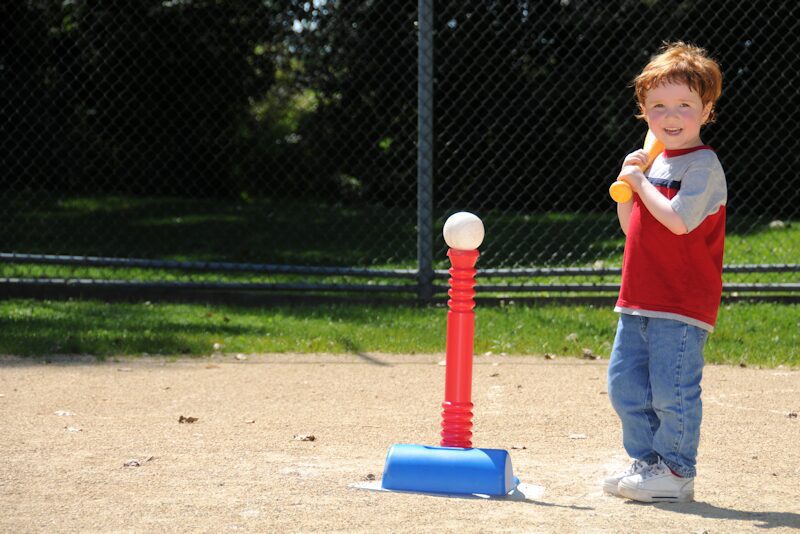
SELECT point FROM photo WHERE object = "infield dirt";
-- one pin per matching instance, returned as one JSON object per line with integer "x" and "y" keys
{"x": 247, "y": 463}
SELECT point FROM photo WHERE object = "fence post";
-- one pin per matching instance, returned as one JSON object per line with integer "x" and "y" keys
{"x": 425, "y": 150}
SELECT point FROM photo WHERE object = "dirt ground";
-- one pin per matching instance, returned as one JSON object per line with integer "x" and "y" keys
{"x": 68, "y": 427}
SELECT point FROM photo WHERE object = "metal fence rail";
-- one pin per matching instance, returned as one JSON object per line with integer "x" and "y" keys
{"x": 318, "y": 147}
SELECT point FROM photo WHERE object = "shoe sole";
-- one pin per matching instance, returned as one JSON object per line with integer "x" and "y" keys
{"x": 637, "y": 495}
{"x": 611, "y": 489}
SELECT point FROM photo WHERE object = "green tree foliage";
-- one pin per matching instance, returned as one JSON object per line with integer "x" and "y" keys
{"x": 540, "y": 92}
{"x": 137, "y": 97}
{"x": 318, "y": 98}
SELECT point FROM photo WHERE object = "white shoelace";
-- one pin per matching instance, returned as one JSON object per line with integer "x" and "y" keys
{"x": 635, "y": 467}
{"x": 655, "y": 469}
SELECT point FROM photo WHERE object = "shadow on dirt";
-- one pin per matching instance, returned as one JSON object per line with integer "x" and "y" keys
{"x": 759, "y": 519}
{"x": 355, "y": 349}
{"x": 524, "y": 493}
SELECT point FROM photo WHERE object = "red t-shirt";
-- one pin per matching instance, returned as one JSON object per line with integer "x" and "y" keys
{"x": 678, "y": 276}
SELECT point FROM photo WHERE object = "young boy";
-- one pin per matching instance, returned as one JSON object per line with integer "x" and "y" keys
{"x": 671, "y": 278}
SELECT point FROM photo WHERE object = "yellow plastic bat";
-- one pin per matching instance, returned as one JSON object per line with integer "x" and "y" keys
{"x": 620, "y": 191}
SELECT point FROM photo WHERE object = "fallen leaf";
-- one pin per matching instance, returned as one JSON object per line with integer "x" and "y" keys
{"x": 241, "y": 357}
{"x": 63, "y": 413}
{"x": 573, "y": 337}
{"x": 792, "y": 415}
{"x": 577, "y": 436}
{"x": 494, "y": 374}
{"x": 304, "y": 437}
{"x": 519, "y": 447}
{"x": 183, "y": 419}
{"x": 133, "y": 462}
{"x": 250, "y": 421}
{"x": 589, "y": 355}
{"x": 549, "y": 356}
{"x": 73, "y": 429}
{"x": 370, "y": 476}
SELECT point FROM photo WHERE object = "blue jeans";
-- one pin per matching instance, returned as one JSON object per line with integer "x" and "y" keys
{"x": 654, "y": 386}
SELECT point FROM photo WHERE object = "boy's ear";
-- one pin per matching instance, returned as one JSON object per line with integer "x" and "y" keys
{"x": 707, "y": 111}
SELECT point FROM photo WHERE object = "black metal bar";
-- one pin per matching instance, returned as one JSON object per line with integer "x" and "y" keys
{"x": 75, "y": 282}
{"x": 210, "y": 266}
{"x": 497, "y": 288}
{"x": 763, "y": 268}
{"x": 536, "y": 272}
{"x": 616, "y": 271}
{"x": 580, "y": 288}
{"x": 425, "y": 154}
{"x": 732, "y": 288}
{"x": 95, "y": 261}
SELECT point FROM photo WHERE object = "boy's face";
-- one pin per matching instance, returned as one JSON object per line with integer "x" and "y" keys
{"x": 675, "y": 113}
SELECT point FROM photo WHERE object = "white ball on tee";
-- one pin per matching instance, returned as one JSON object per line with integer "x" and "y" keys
{"x": 463, "y": 231}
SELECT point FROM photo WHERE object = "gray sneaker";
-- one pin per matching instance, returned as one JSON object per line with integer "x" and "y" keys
{"x": 656, "y": 483}
{"x": 610, "y": 484}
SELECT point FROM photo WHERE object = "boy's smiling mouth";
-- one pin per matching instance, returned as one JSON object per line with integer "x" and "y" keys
{"x": 673, "y": 131}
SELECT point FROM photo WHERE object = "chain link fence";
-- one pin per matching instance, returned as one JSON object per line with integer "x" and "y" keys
{"x": 318, "y": 146}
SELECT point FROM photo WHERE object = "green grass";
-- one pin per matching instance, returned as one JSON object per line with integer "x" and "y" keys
{"x": 299, "y": 233}
{"x": 264, "y": 231}
{"x": 296, "y": 232}
{"x": 306, "y": 233}
{"x": 757, "y": 334}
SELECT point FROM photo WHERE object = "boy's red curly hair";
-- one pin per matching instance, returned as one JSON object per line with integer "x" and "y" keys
{"x": 680, "y": 62}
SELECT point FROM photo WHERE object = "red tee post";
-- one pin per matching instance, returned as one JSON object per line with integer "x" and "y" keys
{"x": 457, "y": 414}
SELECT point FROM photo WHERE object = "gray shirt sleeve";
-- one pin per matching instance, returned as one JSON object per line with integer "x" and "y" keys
{"x": 703, "y": 191}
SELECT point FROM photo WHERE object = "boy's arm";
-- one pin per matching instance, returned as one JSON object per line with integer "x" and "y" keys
{"x": 657, "y": 204}
{"x": 624, "y": 215}
{"x": 638, "y": 159}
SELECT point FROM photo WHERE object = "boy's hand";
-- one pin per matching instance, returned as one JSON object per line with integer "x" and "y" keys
{"x": 633, "y": 176}
{"x": 631, "y": 172}
{"x": 638, "y": 157}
